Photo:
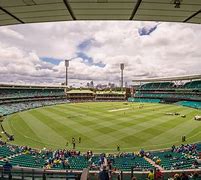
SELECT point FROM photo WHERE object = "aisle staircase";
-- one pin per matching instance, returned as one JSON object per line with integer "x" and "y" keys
{"x": 153, "y": 164}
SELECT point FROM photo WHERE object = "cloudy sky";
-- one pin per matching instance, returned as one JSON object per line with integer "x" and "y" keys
{"x": 34, "y": 53}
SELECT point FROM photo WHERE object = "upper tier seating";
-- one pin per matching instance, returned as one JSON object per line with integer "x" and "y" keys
{"x": 169, "y": 85}
{"x": 24, "y": 93}
{"x": 193, "y": 85}
{"x": 161, "y": 85}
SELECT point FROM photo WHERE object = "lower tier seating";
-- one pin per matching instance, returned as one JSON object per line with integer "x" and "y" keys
{"x": 182, "y": 157}
{"x": 27, "y": 160}
{"x": 193, "y": 104}
{"x": 6, "y": 109}
{"x": 126, "y": 163}
{"x": 145, "y": 100}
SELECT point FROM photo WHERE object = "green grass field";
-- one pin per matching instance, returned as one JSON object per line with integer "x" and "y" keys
{"x": 103, "y": 125}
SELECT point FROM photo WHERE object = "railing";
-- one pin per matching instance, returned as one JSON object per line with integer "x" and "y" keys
{"x": 165, "y": 173}
{"x": 27, "y": 173}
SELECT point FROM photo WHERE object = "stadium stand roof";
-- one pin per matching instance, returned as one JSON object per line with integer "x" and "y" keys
{"x": 180, "y": 78}
{"x": 110, "y": 92}
{"x": 32, "y": 11}
{"x": 81, "y": 91}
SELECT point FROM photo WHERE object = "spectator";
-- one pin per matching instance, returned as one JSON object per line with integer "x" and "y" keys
{"x": 177, "y": 177}
{"x": 104, "y": 175}
{"x": 195, "y": 176}
{"x": 142, "y": 153}
{"x": 7, "y": 167}
{"x": 184, "y": 176}
{"x": 158, "y": 175}
{"x": 151, "y": 175}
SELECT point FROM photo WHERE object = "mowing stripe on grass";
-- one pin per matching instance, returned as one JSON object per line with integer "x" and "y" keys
{"x": 101, "y": 130}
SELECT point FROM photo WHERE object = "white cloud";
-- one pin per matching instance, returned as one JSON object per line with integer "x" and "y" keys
{"x": 172, "y": 49}
{"x": 9, "y": 33}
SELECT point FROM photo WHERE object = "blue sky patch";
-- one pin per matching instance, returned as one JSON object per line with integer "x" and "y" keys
{"x": 88, "y": 60}
{"x": 85, "y": 44}
{"x": 51, "y": 60}
{"x": 146, "y": 30}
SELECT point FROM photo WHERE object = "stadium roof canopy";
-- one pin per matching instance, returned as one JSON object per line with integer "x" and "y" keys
{"x": 181, "y": 78}
{"x": 80, "y": 91}
{"x": 32, "y": 11}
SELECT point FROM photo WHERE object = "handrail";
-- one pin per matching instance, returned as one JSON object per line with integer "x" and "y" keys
{"x": 85, "y": 174}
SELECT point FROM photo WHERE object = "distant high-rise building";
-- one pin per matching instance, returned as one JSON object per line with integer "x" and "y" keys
{"x": 126, "y": 84}
{"x": 91, "y": 84}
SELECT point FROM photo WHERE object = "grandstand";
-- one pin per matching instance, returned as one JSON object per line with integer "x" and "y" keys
{"x": 90, "y": 95}
{"x": 80, "y": 95}
{"x": 110, "y": 96}
{"x": 181, "y": 157}
{"x": 18, "y": 98}
{"x": 15, "y": 98}
{"x": 167, "y": 91}
{"x": 33, "y": 163}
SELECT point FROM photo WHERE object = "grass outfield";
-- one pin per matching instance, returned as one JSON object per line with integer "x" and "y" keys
{"x": 103, "y": 125}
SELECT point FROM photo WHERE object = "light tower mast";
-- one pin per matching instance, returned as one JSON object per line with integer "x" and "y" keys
{"x": 67, "y": 65}
{"x": 122, "y": 80}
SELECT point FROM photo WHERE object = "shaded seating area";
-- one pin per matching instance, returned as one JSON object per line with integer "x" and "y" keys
{"x": 8, "y": 93}
{"x": 161, "y": 95}
{"x": 168, "y": 92}
{"x": 193, "y": 85}
{"x": 158, "y": 85}
{"x": 145, "y": 100}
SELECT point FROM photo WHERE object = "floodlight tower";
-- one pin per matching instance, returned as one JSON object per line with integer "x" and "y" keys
{"x": 67, "y": 65}
{"x": 122, "y": 80}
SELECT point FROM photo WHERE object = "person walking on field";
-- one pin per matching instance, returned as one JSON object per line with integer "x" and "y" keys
{"x": 118, "y": 147}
